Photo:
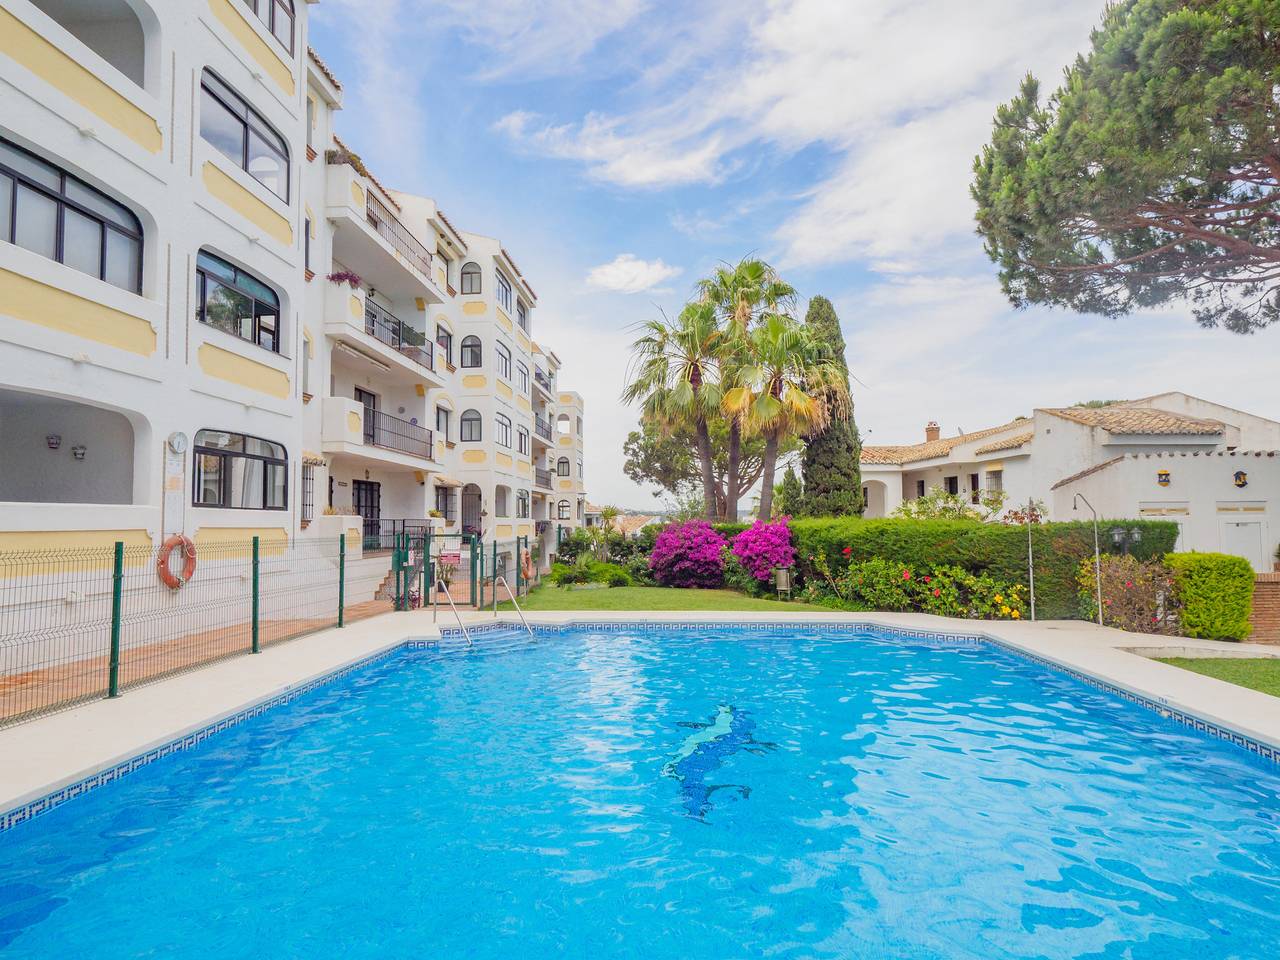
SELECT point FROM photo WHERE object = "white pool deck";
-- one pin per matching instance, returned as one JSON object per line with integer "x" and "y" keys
{"x": 45, "y": 754}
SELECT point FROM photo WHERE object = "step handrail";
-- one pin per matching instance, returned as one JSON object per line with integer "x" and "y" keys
{"x": 435, "y": 609}
{"x": 515, "y": 603}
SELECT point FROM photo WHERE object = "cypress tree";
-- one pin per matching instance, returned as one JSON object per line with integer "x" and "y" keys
{"x": 830, "y": 466}
{"x": 788, "y": 496}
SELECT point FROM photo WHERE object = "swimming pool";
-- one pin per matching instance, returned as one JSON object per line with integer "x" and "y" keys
{"x": 660, "y": 793}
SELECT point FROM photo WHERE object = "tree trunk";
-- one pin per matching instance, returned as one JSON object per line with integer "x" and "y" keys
{"x": 710, "y": 501}
{"x": 766, "y": 482}
{"x": 735, "y": 455}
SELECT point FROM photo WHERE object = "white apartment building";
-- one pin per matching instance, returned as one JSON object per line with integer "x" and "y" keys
{"x": 174, "y": 357}
{"x": 1213, "y": 470}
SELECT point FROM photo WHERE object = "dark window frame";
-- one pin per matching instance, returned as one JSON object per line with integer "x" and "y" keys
{"x": 522, "y": 376}
{"x": 470, "y": 427}
{"x": 308, "y": 492}
{"x": 8, "y": 231}
{"x": 504, "y": 291}
{"x": 250, "y": 120}
{"x": 443, "y": 431}
{"x": 226, "y": 456}
{"x": 503, "y": 353}
{"x": 471, "y": 352}
{"x": 563, "y": 467}
{"x": 522, "y": 504}
{"x": 522, "y": 314}
{"x": 202, "y": 293}
{"x": 522, "y": 440}
{"x": 470, "y": 272}
{"x": 502, "y": 430}
{"x": 272, "y": 7}
{"x": 564, "y": 510}
{"x": 444, "y": 340}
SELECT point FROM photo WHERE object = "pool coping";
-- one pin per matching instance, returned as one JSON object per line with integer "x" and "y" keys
{"x": 1105, "y": 659}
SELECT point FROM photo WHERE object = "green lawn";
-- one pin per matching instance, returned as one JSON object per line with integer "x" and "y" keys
{"x": 1262, "y": 674}
{"x": 548, "y": 597}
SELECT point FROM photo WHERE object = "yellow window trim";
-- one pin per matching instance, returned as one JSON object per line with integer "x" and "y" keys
{"x": 250, "y": 374}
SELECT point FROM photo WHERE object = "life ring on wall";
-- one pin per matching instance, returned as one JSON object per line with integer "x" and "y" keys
{"x": 167, "y": 576}
{"x": 526, "y": 565}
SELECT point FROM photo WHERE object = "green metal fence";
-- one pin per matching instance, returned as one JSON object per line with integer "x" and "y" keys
{"x": 84, "y": 624}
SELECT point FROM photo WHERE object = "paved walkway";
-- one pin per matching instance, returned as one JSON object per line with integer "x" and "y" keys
{"x": 41, "y": 755}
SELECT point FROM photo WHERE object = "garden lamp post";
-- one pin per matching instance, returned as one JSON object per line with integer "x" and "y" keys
{"x": 1097, "y": 553}
{"x": 1125, "y": 538}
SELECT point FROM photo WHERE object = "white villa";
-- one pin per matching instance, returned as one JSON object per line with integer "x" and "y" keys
{"x": 174, "y": 355}
{"x": 1213, "y": 470}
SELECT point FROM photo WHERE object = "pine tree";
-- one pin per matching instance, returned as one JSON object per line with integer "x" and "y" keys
{"x": 832, "y": 474}
{"x": 788, "y": 497}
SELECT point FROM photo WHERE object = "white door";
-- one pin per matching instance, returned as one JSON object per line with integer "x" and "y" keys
{"x": 1243, "y": 538}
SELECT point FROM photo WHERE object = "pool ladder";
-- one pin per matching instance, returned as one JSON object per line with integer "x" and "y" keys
{"x": 514, "y": 602}
{"x": 435, "y": 609}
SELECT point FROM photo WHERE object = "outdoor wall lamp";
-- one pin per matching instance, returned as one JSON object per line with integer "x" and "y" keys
{"x": 1125, "y": 538}
{"x": 79, "y": 452}
{"x": 54, "y": 441}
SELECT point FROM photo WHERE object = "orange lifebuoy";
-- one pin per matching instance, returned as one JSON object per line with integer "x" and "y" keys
{"x": 526, "y": 565}
{"x": 167, "y": 576}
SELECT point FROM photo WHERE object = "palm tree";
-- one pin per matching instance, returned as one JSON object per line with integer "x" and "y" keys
{"x": 740, "y": 295}
{"x": 788, "y": 386}
{"x": 675, "y": 380}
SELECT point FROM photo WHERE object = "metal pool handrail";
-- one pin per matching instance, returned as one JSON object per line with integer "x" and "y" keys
{"x": 515, "y": 603}
{"x": 435, "y": 609}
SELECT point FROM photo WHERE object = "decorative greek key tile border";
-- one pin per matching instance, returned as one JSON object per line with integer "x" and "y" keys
{"x": 501, "y": 630}
{"x": 11, "y": 818}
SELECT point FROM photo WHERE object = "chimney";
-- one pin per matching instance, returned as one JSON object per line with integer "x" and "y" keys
{"x": 931, "y": 431}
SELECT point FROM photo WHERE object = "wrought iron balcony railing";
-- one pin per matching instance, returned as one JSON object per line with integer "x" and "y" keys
{"x": 392, "y": 433}
{"x": 389, "y": 227}
{"x": 395, "y": 333}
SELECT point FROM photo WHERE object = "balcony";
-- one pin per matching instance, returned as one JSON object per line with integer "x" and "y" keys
{"x": 542, "y": 428}
{"x": 371, "y": 240}
{"x": 369, "y": 337}
{"x": 547, "y": 385}
{"x": 367, "y": 434}
{"x": 542, "y": 478}
{"x": 385, "y": 326}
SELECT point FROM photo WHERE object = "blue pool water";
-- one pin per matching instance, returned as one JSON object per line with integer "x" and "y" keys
{"x": 670, "y": 795}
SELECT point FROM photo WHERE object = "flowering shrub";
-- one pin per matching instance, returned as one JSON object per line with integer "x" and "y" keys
{"x": 1137, "y": 595}
{"x": 764, "y": 546}
{"x": 948, "y": 591}
{"x": 688, "y": 555}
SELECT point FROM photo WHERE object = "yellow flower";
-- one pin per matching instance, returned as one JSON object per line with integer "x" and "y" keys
{"x": 999, "y": 599}
{"x": 1016, "y": 615}
{"x": 1004, "y": 610}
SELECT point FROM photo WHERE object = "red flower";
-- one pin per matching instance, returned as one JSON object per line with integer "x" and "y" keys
{"x": 937, "y": 592}
{"x": 1128, "y": 584}
{"x": 847, "y": 550}
{"x": 906, "y": 574}
{"x": 928, "y": 579}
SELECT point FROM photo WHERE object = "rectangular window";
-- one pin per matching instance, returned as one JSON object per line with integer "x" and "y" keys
{"x": 308, "y": 492}
{"x": 444, "y": 502}
{"x": 522, "y": 315}
{"x": 444, "y": 340}
{"x": 239, "y": 472}
{"x": 522, "y": 439}
{"x": 919, "y": 488}
{"x": 504, "y": 292}
{"x": 951, "y": 485}
{"x": 522, "y": 377}
{"x": 504, "y": 361}
{"x": 995, "y": 480}
{"x": 522, "y": 504}
{"x": 442, "y": 422}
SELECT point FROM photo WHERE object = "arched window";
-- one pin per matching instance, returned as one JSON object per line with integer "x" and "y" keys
{"x": 563, "y": 509}
{"x": 469, "y": 429}
{"x": 503, "y": 434}
{"x": 562, "y": 424}
{"x": 239, "y": 472}
{"x": 51, "y": 213}
{"x": 522, "y": 504}
{"x": 470, "y": 279}
{"x": 562, "y": 466}
{"x": 504, "y": 291}
{"x": 236, "y": 302}
{"x": 240, "y": 134}
{"x": 471, "y": 354}
{"x": 504, "y": 360}
{"x": 277, "y": 16}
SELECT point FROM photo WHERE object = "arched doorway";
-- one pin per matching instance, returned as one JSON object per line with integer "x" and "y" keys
{"x": 472, "y": 502}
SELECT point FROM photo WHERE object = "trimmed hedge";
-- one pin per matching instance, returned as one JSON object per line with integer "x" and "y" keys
{"x": 999, "y": 550}
{"x": 1216, "y": 591}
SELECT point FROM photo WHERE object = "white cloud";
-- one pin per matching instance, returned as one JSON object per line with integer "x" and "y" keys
{"x": 627, "y": 273}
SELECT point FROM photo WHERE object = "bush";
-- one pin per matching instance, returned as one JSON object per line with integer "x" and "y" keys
{"x": 763, "y": 547}
{"x": 1137, "y": 595}
{"x": 880, "y": 584}
{"x": 619, "y": 578}
{"x": 995, "y": 550}
{"x": 637, "y": 569}
{"x": 1216, "y": 591}
{"x": 688, "y": 555}
{"x": 570, "y": 547}
{"x": 586, "y": 570}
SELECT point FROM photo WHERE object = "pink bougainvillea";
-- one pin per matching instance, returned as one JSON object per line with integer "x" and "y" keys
{"x": 688, "y": 555}
{"x": 763, "y": 547}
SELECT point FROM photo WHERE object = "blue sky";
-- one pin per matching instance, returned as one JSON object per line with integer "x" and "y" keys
{"x": 621, "y": 148}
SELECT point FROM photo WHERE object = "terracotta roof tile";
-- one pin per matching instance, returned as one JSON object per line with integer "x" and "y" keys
{"x": 1006, "y": 443}
{"x": 930, "y": 449}
{"x": 1096, "y": 468}
{"x": 324, "y": 68}
{"x": 1143, "y": 421}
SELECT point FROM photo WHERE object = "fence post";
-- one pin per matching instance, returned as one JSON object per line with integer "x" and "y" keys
{"x": 117, "y": 594}
{"x": 519, "y": 557}
{"x": 256, "y": 647}
{"x": 494, "y": 574}
{"x": 342, "y": 576}
{"x": 474, "y": 601}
